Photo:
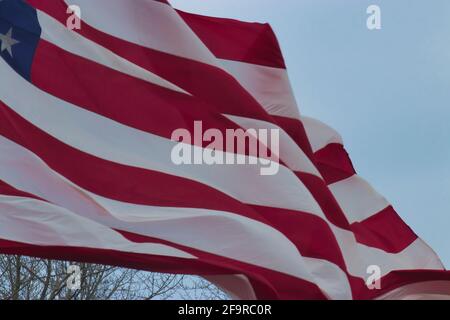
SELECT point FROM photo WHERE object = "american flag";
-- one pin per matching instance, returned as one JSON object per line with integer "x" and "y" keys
{"x": 86, "y": 118}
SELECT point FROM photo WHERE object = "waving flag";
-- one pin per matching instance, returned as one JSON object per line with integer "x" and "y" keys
{"x": 86, "y": 118}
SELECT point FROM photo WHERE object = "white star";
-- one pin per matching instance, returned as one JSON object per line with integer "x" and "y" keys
{"x": 7, "y": 42}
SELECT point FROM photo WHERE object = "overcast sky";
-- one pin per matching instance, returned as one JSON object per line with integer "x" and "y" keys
{"x": 387, "y": 92}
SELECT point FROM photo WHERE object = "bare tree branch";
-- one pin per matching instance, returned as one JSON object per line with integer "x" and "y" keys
{"x": 24, "y": 278}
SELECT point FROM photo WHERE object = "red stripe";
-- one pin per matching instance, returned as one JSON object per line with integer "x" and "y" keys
{"x": 7, "y": 190}
{"x": 380, "y": 229}
{"x": 229, "y": 39}
{"x": 334, "y": 163}
{"x": 325, "y": 199}
{"x": 297, "y": 132}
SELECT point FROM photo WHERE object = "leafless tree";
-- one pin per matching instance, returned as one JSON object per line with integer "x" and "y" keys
{"x": 24, "y": 278}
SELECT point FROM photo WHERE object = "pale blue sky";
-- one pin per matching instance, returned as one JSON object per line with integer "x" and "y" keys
{"x": 387, "y": 92}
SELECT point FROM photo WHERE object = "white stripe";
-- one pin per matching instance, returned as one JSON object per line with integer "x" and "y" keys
{"x": 39, "y": 223}
{"x": 269, "y": 86}
{"x": 358, "y": 199}
{"x": 147, "y": 23}
{"x": 55, "y": 33}
{"x": 319, "y": 134}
